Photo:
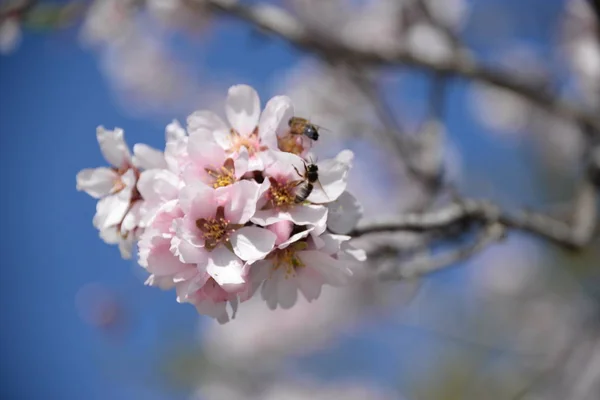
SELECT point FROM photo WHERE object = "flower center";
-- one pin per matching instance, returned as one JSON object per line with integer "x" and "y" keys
{"x": 215, "y": 230}
{"x": 287, "y": 259}
{"x": 290, "y": 144}
{"x": 281, "y": 194}
{"x": 251, "y": 143}
{"x": 225, "y": 176}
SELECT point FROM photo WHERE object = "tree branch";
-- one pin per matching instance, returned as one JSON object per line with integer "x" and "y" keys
{"x": 275, "y": 20}
{"x": 423, "y": 266}
{"x": 469, "y": 211}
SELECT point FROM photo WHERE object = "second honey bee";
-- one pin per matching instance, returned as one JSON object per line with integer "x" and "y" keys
{"x": 302, "y": 126}
{"x": 306, "y": 185}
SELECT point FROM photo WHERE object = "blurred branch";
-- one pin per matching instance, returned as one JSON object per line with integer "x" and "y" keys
{"x": 468, "y": 211}
{"x": 276, "y": 21}
{"x": 422, "y": 266}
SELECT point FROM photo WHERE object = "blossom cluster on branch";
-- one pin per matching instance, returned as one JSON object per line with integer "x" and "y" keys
{"x": 229, "y": 208}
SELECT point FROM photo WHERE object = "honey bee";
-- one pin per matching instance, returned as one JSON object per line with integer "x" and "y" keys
{"x": 306, "y": 184}
{"x": 302, "y": 126}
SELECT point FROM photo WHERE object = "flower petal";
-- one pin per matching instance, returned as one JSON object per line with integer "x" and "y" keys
{"x": 205, "y": 154}
{"x": 334, "y": 272}
{"x": 310, "y": 283}
{"x": 174, "y": 131}
{"x": 97, "y": 182}
{"x": 198, "y": 200}
{"x": 344, "y": 213}
{"x": 252, "y": 243}
{"x": 287, "y": 293}
{"x": 274, "y": 120}
{"x": 333, "y": 178}
{"x": 147, "y": 157}
{"x": 242, "y": 199}
{"x": 187, "y": 252}
{"x": 205, "y": 121}
{"x": 110, "y": 211}
{"x": 225, "y": 268}
{"x": 314, "y": 215}
{"x": 243, "y": 109}
{"x": 113, "y": 146}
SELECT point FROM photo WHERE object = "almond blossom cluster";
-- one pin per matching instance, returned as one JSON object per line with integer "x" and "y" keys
{"x": 229, "y": 209}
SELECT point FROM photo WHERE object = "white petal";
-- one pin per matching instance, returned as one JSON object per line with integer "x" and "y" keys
{"x": 310, "y": 283}
{"x": 243, "y": 109}
{"x": 242, "y": 196}
{"x": 309, "y": 215}
{"x": 174, "y": 131}
{"x": 252, "y": 243}
{"x": 113, "y": 146}
{"x": 147, "y": 157}
{"x": 241, "y": 163}
{"x": 344, "y": 213}
{"x": 268, "y": 217}
{"x": 132, "y": 218}
{"x": 225, "y": 268}
{"x": 110, "y": 235}
{"x": 205, "y": 121}
{"x": 331, "y": 244}
{"x": 294, "y": 238}
{"x": 255, "y": 163}
{"x": 269, "y": 291}
{"x": 334, "y": 272}
{"x": 274, "y": 119}
{"x": 287, "y": 293}
{"x": 126, "y": 247}
{"x": 97, "y": 182}
{"x": 110, "y": 211}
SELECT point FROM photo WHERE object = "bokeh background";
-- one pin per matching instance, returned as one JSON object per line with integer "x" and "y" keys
{"x": 517, "y": 320}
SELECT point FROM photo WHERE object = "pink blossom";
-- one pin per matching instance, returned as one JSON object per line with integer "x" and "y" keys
{"x": 278, "y": 201}
{"x": 247, "y": 128}
{"x": 303, "y": 263}
{"x": 212, "y": 234}
{"x": 193, "y": 285}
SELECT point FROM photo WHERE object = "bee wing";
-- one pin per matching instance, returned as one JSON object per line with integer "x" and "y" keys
{"x": 318, "y": 182}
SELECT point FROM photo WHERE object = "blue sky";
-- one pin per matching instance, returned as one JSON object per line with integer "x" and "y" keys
{"x": 52, "y": 97}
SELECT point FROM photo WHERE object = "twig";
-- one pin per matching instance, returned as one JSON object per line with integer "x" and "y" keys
{"x": 275, "y": 20}
{"x": 423, "y": 266}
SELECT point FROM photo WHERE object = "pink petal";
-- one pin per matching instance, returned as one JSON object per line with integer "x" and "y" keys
{"x": 113, "y": 146}
{"x": 198, "y": 200}
{"x": 243, "y": 109}
{"x": 242, "y": 199}
{"x": 252, "y": 243}
{"x": 287, "y": 293}
{"x": 187, "y": 252}
{"x": 282, "y": 229}
{"x": 205, "y": 154}
{"x": 97, "y": 182}
{"x": 285, "y": 166}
